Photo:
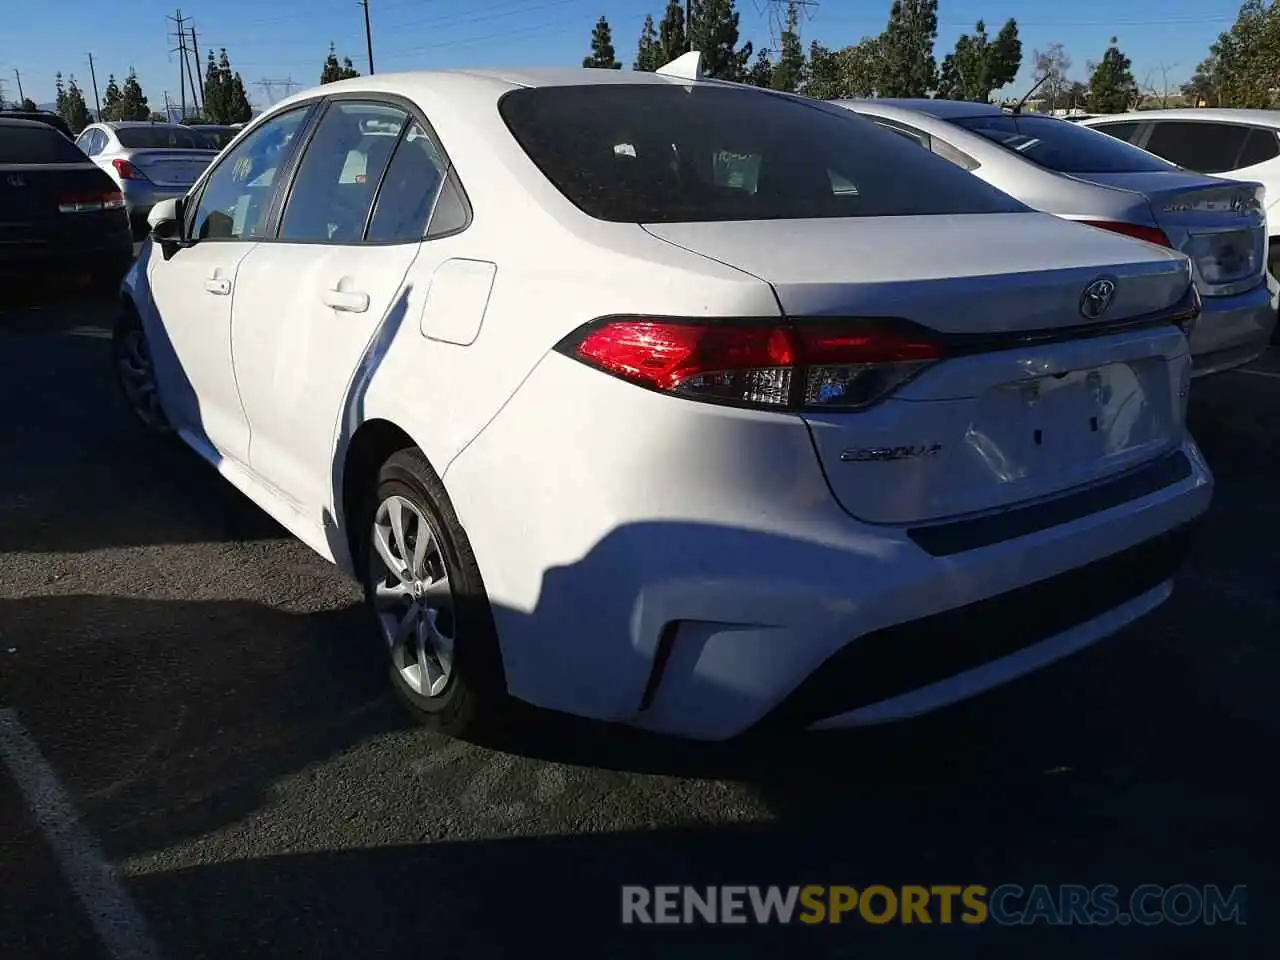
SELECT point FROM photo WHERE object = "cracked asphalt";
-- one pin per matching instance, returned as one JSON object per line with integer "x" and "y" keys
{"x": 211, "y": 698}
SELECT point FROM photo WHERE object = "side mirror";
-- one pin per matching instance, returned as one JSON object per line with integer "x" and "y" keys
{"x": 165, "y": 221}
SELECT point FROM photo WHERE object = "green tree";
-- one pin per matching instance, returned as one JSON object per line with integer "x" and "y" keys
{"x": 1112, "y": 88}
{"x": 240, "y": 110}
{"x": 75, "y": 112}
{"x": 1243, "y": 67}
{"x": 761, "y": 72}
{"x": 979, "y": 65}
{"x": 789, "y": 71}
{"x": 333, "y": 70}
{"x": 649, "y": 50}
{"x": 133, "y": 102}
{"x": 111, "y": 99}
{"x": 602, "y": 53}
{"x": 1202, "y": 88}
{"x": 714, "y": 33}
{"x": 909, "y": 68}
{"x": 672, "y": 38}
{"x": 60, "y": 104}
{"x": 29, "y": 105}
{"x": 215, "y": 94}
{"x": 1052, "y": 66}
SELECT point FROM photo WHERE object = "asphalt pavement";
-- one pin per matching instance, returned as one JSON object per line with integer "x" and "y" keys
{"x": 201, "y": 712}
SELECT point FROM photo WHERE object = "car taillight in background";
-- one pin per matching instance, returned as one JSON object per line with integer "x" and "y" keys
{"x": 92, "y": 203}
{"x": 1136, "y": 230}
{"x": 806, "y": 365}
{"x": 127, "y": 170}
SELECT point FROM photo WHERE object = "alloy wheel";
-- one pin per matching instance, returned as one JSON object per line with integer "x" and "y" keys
{"x": 412, "y": 596}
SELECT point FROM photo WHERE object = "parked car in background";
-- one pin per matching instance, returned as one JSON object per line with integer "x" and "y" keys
{"x": 148, "y": 161}
{"x": 40, "y": 116}
{"x": 59, "y": 214}
{"x": 1239, "y": 144}
{"x": 627, "y": 408}
{"x": 1070, "y": 170}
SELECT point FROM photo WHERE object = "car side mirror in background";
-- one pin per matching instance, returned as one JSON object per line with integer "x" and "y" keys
{"x": 165, "y": 220}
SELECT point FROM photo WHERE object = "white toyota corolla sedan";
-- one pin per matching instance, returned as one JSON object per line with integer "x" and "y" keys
{"x": 668, "y": 401}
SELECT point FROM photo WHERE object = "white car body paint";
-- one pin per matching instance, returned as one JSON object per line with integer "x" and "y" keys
{"x": 602, "y": 514}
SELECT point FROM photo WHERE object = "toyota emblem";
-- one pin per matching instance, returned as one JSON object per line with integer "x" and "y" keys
{"x": 1097, "y": 298}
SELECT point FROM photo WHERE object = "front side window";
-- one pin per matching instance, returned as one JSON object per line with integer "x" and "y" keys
{"x": 668, "y": 153}
{"x": 233, "y": 204}
{"x": 338, "y": 176}
{"x": 1259, "y": 148}
{"x": 1061, "y": 146}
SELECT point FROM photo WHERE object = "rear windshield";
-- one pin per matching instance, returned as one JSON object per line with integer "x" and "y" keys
{"x": 23, "y": 144}
{"x": 48, "y": 119}
{"x": 1064, "y": 147}
{"x": 165, "y": 138}
{"x": 649, "y": 153}
{"x": 220, "y": 136}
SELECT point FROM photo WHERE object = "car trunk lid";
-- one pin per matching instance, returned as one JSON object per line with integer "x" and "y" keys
{"x": 1031, "y": 398}
{"x": 1220, "y": 224}
{"x": 40, "y": 203}
{"x": 172, "y": 168}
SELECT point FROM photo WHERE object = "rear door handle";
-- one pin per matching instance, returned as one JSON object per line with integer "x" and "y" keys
{"x": 349, "y": 301}
{"x": 218, "y": 286}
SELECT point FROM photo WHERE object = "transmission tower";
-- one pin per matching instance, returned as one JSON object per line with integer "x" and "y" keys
{"x": 270, "y": 88}
{"x": 777, "y": 11}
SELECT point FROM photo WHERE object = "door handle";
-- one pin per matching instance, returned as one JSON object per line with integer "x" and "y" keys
{"x": 349, "y": 301}
{"x": 218, "y": 286}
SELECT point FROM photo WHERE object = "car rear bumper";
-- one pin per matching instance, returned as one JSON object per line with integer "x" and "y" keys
{"x": 1235, "y": 330}
{"x": 89, "y": 255}
{"x": 690, "y": 573}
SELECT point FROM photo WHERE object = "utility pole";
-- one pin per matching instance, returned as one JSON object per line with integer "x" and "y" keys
{"x": 181, "y": 34}
{"x": 368, "y": 34}
{"x": 96, "y": 99}
{"x": 21, "y": 96}
{"x": 195, "y": 59}
{"x": 195, "y": 99}
{"x": 168, "y": 110}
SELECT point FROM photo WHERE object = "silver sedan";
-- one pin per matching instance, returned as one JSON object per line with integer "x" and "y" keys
{"x": 150, "y": 161}
{"x": 1079, "y": 174}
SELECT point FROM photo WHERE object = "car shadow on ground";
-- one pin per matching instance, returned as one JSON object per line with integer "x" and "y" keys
{"x": 70, "y": 435}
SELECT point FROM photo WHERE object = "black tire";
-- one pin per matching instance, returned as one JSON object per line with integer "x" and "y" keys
{"x": 474, "y": 696}
{"x": 127, "y": 332}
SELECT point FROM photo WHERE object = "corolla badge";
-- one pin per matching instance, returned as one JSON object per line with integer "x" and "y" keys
{"x": 882, "y": 454}
{"x": 1096, "y": 299}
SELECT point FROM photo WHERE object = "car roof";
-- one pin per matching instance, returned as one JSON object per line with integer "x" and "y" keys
{"x": 942, "y": 109}
{"x": 23, "y": 122}
{"x": 1270, "y": 118}
{"x": 488, "y": 83}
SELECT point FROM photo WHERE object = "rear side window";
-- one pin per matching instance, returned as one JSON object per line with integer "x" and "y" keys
{"x": 1196, "y": 145}
{"x": 1062, "y": 146}
{"x": 1121, "y": 131}
{"x": 1259, "y": 148}
{"x": 659, "y": 153}
{"x": 36, "y": 144}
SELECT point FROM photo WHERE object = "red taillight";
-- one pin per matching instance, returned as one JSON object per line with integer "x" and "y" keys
{"x": 817, "y": 364}
{"x": 92, "y": 202}
{"x": 127, "y": 170}
{"x": 1136, "y": 230}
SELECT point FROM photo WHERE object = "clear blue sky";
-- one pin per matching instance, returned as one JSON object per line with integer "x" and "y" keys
{"x": 289, "y": 38}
